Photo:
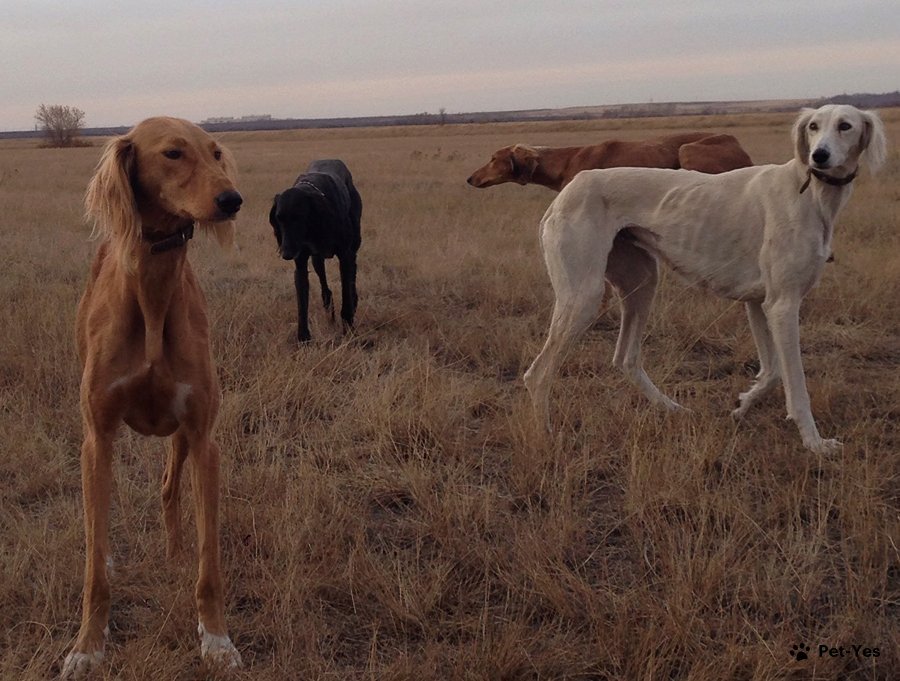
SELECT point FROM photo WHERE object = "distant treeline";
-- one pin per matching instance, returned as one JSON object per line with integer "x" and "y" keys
{"x": 863, "y": 100}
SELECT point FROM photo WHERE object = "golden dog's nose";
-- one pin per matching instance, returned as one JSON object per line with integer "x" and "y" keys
{"x": 229, "y": 202}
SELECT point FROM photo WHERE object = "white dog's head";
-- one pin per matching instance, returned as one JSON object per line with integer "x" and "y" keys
{"x": 838, "y": 137}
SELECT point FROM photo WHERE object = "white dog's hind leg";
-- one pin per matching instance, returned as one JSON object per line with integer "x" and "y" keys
{"x": 575, "y": 252}
{"x": 783, "y": 316}
{"x": 571, "y": 316}
{"x": 768, "y": 375}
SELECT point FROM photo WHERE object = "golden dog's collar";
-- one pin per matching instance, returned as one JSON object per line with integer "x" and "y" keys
{"x": 167, "y": 243}
{"x": 828, "y": 179}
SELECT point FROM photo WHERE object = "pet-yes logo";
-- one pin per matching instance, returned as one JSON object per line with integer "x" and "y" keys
{"x": 801, "y": 651}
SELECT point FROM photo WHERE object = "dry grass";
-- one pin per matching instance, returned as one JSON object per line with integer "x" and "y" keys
{"x": 391, "y": 512}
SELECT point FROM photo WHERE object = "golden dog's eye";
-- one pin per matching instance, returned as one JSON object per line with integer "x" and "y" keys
{"x": 813, "y": 126}
{"x": 217, "y": 154}
{"x": 173, "y": 154}
{"x": 844, "y": 125}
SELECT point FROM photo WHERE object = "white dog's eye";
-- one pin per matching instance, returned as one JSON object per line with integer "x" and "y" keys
{"x": 844, "y": 125}
{"x": 813, "y": 126}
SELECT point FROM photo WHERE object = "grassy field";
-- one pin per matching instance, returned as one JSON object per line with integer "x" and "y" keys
{"x": 390, "y": 510}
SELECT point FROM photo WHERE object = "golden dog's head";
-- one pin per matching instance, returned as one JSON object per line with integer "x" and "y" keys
{"x": 163, "y": 174}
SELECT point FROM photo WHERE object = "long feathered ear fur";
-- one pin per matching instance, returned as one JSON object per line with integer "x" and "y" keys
{"x": 798, "y": 135}
{"x": 224, "y": 231}
{"x": 524, "y": 161}
{"x": 109, "y": 202}
{"x": 873, "y": 143}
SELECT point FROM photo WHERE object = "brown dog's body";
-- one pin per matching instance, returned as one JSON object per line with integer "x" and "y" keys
{"x": 555, "y": 167}
{"x": 143, "y": 341}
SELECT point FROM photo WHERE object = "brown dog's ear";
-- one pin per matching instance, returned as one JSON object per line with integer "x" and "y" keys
{"x": 798, "y": 134}
{"x": 109, "y": 202}
{"x": 872, "y": 141}
{"x": 524, "y": 161}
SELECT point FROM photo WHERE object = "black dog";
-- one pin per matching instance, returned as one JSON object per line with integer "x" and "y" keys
{"x": 319, "y": 217}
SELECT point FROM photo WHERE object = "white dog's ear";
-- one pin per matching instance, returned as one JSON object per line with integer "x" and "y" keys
{"x": 872, "y": 142}
{"x": 798, "y": 134}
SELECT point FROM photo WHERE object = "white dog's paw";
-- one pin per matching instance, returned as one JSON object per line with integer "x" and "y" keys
{"x": 822, "y": 446}
{"x": 667, "y": 403}
{"x": 79, "y": 665}
{"x": 218, "y": 651}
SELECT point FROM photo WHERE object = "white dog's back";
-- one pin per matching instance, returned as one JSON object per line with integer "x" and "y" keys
{"x": 710, "y": 229}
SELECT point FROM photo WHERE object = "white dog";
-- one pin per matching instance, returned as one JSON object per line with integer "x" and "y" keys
{"x": 760, "y": 235}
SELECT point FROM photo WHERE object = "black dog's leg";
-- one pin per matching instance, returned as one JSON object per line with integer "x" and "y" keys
{"x": 319, "y": 267}
{"x": 301, "y": 283}
{"x": 348, "y": 288}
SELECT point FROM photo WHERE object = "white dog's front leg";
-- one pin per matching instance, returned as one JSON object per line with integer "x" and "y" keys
{"x": 783, "y": 316}
{"x": 768, "y": 375}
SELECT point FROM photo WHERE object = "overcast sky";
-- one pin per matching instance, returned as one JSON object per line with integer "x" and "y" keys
{"x": 121, "y": 61}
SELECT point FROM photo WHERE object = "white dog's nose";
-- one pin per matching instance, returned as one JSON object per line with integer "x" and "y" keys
{"x": 820, "y": 156}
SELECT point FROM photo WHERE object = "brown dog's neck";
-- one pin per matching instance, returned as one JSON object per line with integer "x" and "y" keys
{"x": 552, "y": 167}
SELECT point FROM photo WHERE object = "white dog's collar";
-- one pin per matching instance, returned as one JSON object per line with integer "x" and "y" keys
{"x": 828, "y": 179}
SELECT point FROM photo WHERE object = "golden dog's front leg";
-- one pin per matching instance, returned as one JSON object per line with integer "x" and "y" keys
{"x": 171, "y": 494}
{"x": 96, "y": 480}
{"x": 215, "y": 645}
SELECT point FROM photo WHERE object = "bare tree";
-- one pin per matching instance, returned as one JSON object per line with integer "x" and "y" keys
{"x": 61, "y": 124}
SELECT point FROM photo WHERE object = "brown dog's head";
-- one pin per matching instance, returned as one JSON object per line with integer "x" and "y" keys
{"x": 162, "y": 174}
{"x": 509, "y": 164}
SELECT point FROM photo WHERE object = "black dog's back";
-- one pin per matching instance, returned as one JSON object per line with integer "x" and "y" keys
{"x": 333, "y": 178}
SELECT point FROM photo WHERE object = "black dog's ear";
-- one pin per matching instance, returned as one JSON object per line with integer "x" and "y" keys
{"x": 272, "y": 220}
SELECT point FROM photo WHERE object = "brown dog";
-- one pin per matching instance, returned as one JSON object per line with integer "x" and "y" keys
{"x": 554, "y": 167}
{"x": 143, "y": 341}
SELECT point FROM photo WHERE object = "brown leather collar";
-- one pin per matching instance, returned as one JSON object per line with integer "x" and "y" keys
{"x": 161, "y": 244}
{"x": 828, "y": 179}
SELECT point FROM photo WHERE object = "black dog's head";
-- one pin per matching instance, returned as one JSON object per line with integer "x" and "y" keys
{"x": 300, "y": 217}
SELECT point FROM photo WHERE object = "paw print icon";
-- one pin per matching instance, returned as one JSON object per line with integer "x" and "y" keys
{"x": 799, "y": 651}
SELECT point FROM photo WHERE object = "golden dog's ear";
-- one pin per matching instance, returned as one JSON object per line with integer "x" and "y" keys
{"x": 798, "y": 134}
{"x": 109, "y": 202}
{"x": 872, "y": 141}
{"x": 524, "y": 160}
{"x": 224, "y": 231}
